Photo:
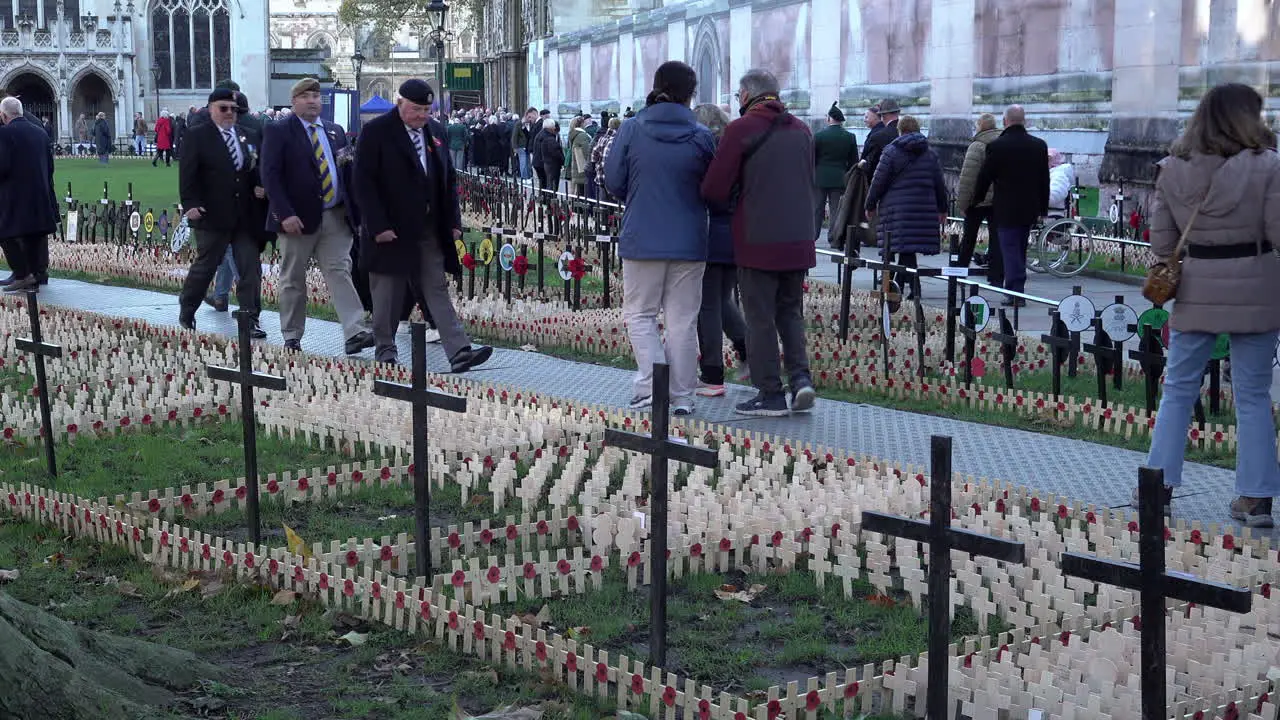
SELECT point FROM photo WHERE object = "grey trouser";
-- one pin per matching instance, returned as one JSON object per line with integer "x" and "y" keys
{"x": 773, "y": 303}
{"x": 331, "y": 248}
{"x": 388, "y": 293}
{"x": 675, "y": 289}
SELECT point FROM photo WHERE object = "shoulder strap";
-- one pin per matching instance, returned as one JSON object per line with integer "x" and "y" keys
{"x": 1186, "y": 231}
{"x": 755, "y": 146}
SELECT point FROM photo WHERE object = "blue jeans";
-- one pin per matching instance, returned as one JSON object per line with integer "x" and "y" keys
{"x": 525, "y": 171}
{"x": 1257, "y": 474}
{"x": 1013, "y": 250}
{"x": 139, "y": 145}
{"x": 227, "y": 274}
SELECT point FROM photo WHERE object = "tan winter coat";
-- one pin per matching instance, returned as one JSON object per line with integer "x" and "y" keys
{"x": 973, "y": 159}
{"x": 1241, "y": 205}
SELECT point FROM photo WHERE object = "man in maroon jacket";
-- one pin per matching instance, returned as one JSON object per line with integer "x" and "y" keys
{"x": 764, "y": 164}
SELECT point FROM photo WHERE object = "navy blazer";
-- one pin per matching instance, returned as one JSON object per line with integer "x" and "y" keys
{"x": 28, "y": 205}
{"x": 291, "y": 175}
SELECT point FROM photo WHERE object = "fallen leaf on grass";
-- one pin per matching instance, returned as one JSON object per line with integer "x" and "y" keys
{"x": 507, "y": 713}
{"x": 578, "y": 632}
{"x": 478, "y": 500}
{"x": 213, "y": 589}
{"x": 191, "y": 584}
{"x": 733, "y": 592}
{"x": 489, "y": 676}
{"x": 296, "y": 544}
{"x": 529, "y": 348}
{"x": 356, "y": 639}
{"x": 284, "y": 597}
{"x": 881, "y": 600}
{"x": 542, "y": 618}
{"x": 128, "y": 589}
{"x": 8, "y": 575}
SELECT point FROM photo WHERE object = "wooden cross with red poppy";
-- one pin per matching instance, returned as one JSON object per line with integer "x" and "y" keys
{"x": 247, "y": 379}
{"x": 420, "y": 397}
{"x": 41, "y": 350}
{"x": 1154, "y": 586}
{"x": 941, "y": 538}
{"x": 660, "y": 448}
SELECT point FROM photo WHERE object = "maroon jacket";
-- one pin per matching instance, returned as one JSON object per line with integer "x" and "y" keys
{"x": 773, "y": 217}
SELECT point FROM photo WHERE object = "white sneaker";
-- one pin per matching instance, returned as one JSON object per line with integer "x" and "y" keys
{"x": 433, "y": 335}
{"x": 403, "y": 329}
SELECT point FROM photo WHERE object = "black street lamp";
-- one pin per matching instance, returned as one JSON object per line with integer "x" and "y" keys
{"x": 437, "y": 11}
{"x": 357, "y": 62}
{"x": 155, "y": 85}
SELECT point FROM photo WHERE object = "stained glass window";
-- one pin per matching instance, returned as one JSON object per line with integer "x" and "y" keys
{"x": 191, "y": 40}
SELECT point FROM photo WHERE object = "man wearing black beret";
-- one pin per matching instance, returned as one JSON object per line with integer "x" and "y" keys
{"x": 834, "y": 151}
{"x": 406, "y": 188}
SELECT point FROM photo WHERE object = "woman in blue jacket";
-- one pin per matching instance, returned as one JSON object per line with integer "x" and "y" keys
{"x": 909, "y": 198}
{"x": 655, "y": 165}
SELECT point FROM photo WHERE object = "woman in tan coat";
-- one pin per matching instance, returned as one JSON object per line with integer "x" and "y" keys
{"x": 1221, "y": 185}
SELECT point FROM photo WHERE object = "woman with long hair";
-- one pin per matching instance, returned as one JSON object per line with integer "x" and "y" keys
{"x": 719, "y": 314}
{"x": 1220, "y": 189}
{"x": 656, "y": 165}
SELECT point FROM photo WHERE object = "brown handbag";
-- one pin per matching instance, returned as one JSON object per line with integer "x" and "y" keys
{"x": 1163, "y": 277}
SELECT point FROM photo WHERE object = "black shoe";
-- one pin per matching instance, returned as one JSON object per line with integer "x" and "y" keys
{"x": 359, "y": 341}
{"x": 216, "y": 304}
{"x": 294, "y": 345}
{"x": 187, "y": 320}
{"x": 469, "y": 357}
{"x": 23, "y": 284}
{"x": 764, "y": 405}
{"x": 257, "y": 333}
{"x": 802, "y": 396}
{"x": 42, "y": 278}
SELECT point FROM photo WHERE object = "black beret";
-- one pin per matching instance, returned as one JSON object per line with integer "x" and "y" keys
{"x": 835, "y": 114}
{"x": 417, "y": 91}
{"x": 222, "y": 94}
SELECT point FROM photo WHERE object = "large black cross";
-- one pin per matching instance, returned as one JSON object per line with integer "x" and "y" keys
{"x": 421, "y": 398}
{"x": 1106, "y": 356}
{"x": 1059, "y": 340}
{"x": 941, "y": 539}
{"x": 41, "y": 350}
{"x": 1009, "y": 341}
{"x": 969, "y": 329}
{"x": 1155, "y": 585}
{"x": 660, "y": 449}
{"x": 1150, "y": 356}
{"x": 247, "y": 379}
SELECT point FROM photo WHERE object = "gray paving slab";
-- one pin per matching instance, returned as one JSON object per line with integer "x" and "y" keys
{"x": 1094, "y": 473}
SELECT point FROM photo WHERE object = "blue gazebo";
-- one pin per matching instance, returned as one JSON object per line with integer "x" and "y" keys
{"x": 376, "y": 105}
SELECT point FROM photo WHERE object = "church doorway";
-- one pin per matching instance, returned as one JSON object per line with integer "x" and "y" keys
{"x": 91, "y": 96}
{"x": 36, "y": 96}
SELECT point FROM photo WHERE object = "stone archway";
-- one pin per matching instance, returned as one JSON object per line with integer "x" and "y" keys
{"x": 706, "y": 62}
{"x": 91, "y": 94}
{"x": 37, "y": 96}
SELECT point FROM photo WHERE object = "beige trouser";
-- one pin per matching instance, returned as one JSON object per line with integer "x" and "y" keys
{"x": 675, "y": 289}
{"x": 331, "y": 247}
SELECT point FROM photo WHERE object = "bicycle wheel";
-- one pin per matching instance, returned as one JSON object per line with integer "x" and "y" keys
{"x": 1038, "y": 258}
{"x": 1067, "y": 247}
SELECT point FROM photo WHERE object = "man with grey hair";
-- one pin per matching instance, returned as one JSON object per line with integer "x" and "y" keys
{"x": 28, "y": 206}
{"x": 978, "y": 210}
{"x": 765, "y": 158}
{"x": 1017, "y": 166}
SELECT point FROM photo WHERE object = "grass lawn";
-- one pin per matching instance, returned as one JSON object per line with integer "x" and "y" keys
{"x": 148, "y": 458}
{"x": 154, "y": 188}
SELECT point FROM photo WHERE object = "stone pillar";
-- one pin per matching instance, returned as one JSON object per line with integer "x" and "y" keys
{"x": 626, "y": 70}
{"x": 676, "y": 41}
{"x": 553, "y": 70}
{"x": 585, "y": 58}
{"x": 739, "y": 44}
{"x": 824, "y": 58}
{"x": 951, "y": 65}
{"x": 1144, "y": 89}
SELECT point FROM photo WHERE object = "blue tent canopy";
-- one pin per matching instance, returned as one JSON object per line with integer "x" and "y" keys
{"x": 376, "y": 104}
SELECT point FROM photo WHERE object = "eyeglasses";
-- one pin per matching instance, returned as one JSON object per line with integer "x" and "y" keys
{"x": 225, "y": 108}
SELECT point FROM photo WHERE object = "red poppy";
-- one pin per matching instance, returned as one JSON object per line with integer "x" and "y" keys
{"x": 812, "y": 701}
{"x": 400, "y": 600}
{"x": 512, "y": 532}
{"x": 602, "y": 673}
{"x": 459, "y": 578}
{"x": 486, "y": 536}
{"x": 1228, "y": 542}
{"x": 775, "y": 709}
{"x": 386, "y": 553}
{"x": 453, "y": 619}
{"x": 353, "y": 558}
{"x": 726, "y": 545}
{"x": 242, "y": 492}
{"x": 597, "y": 563}
{"x": 530, "y": 571}
{"x": 542, "y": 527}
{"x": 669, "y": 696}
{"x": 851, "y": 689}
{"x": 478, "y": 629}
{"x": 273, "y": 487}
{"x": 1062, "y": 511}
{"x": 571, "y": 663}
{"x": 184, "y": 545}
{"x": 540, "y": 651}
{"x": 572, "y": 523}
{"x": 509, "y": 641}
{"x": 227, "y": 558}
{"x": 633, "y": 559}
{"x": 564, "y": 567}
{"x": 454, "y": 541}
{"x": 424, "y": 607}
{"x": 494, "y": 574}
{"x": 696, "y": 550}
{"x": 348, "y": 588}
{"x": 1091, "y": 518}
{"x": 332, "y": 479}
{"x": 153, "y": 504}
{"x": 468, "y": 261}
{"x": 637, "y": 684}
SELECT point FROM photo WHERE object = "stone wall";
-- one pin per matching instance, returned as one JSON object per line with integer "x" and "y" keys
{"x": 1107, "y": 82}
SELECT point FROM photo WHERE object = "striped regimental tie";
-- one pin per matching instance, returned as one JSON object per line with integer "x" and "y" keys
{"x": 417, "y": 148}
{"x": 326, "y": 177}
{"x": 233, "y": 147}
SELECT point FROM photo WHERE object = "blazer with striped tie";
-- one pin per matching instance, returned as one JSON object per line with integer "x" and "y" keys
{"x": 207, "y": 178}
{"x": 291, "y": 174}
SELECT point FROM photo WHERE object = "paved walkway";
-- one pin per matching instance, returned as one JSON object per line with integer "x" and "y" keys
{"x": 1094, "y": 473}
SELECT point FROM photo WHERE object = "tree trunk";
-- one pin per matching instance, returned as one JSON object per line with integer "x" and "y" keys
{"x": 52, "y": 669}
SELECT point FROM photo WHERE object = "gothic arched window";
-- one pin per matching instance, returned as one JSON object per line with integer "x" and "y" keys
{"x": 191, "y": 40}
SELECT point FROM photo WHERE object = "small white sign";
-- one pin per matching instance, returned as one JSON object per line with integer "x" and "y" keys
{"x": 495, "y": 230}
{"x": 1114, "y": 213}
{"x": 981, "y": 311}
{"x": 539, "y": 236}
{"x": 104, "y": 201}
{"x": 562, "y": 265}
{"x": 955, "y": 272}
{"x": 73, "y": 225}
{"x": 1117, "y": 319}
{"x": 1076, "y": 312}
{"x": 604, "y": 238}
{"x": 135, "y": 222}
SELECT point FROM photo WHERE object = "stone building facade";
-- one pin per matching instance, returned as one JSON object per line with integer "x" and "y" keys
{"x": 65, "y": 58}
{"x": 1107, "y": 82}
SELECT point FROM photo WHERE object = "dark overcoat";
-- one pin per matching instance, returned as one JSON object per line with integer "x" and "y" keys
{"x": 908, "y": 194}
{"x": 28, "y": 204}
{"x": 394, "y": 194}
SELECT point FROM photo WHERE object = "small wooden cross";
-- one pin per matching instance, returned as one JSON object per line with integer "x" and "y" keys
{"x": 1106, "y": 355}
{"x": 247, "y": 379}
{"x": 941, "y": 539}
{"x": 1150, "y": 355}
{"x": 421, "y": 398}
{"x": 660, "y": 448}
{"x": 1155, "y": 585}
{"x": 41, "y": 350}
{"x": 1009, "y": 341}
{"x": 1060, "y": 340}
